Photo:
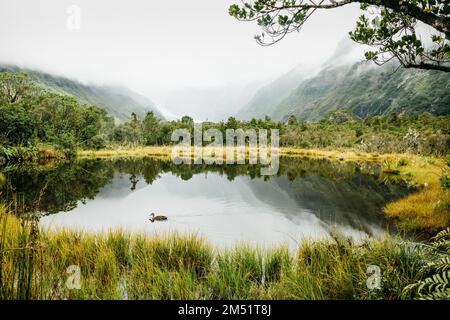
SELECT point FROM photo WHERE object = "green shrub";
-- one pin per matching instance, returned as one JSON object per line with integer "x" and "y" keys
{"x": 16, "y": 125}
{"x": 359, "y": 132}
{"x": 445, "y": 182}
{"x": 447, "y": 160}
{"x": 96, "y": 142}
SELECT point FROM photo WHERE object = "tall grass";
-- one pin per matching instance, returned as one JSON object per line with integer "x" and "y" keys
{"x": 116, "y": 265}
{"x": 19, "y": 254}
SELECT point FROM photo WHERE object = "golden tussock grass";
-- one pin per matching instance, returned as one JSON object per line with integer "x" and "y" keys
{"x": 428, "y": 209}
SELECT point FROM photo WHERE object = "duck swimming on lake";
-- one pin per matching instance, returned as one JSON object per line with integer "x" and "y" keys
{"x": 154, "y": 217}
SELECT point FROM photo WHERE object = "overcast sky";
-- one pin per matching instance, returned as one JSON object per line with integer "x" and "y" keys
{"x": 155, "y": 46}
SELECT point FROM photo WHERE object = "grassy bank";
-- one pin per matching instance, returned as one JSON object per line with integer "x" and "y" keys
{"x": 428, "y": 209}
{"x": 115, "y": 265}
{"x": 161, "y": 151}
{"x": 425, "y": 211}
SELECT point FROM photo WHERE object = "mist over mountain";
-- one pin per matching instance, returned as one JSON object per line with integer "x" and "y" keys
{"x": 273, "y": 93}
{"x": 211, "y": 103}
{"x": 361, "y": 88}
{"x": 344, "y": 81}
{"x": 305, "y": 92}
{"x": 118, "y": 101}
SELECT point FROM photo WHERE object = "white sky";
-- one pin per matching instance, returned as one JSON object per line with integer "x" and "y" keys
{"x": 158, "y": 46}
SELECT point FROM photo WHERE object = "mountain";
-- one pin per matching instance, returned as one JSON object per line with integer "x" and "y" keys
{"x": 119, "y": 102}
{"x": 272, "y": 94}
{"x": 361, "y": 88}
{"x": 368, "y": 90}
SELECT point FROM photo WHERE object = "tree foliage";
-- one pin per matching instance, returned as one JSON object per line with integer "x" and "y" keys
{"x": 16, "y": 125}
{"x": 14, "y": 86}
{"x": 388, "y": 26}
{"x": 50, "y": 118}
{"x": 29, "y": 114}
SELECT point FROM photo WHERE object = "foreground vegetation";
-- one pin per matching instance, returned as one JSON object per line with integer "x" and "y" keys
{"x": 35, "y": 264}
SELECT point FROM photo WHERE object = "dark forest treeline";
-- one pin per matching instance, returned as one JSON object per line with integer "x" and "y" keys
{"x": 31, "y": 116}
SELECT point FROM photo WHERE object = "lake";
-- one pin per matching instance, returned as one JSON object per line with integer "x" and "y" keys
{"x": 225, "y": 204}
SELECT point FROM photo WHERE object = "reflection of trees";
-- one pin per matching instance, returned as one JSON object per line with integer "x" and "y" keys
{"x": 342, "y": 193}
{"x": 356, "y": 201}
{"x": 150, "y": 169}
{"x": 59, "y": 188}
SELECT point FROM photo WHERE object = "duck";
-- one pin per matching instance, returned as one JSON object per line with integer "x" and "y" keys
{"x": 154, "y": 217}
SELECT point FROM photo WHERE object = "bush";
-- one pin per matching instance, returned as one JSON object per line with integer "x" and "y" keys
{"x": 66, "y": 141}
{"x": 359, "y": 132}
{"x": 96, "y": 142}
{"x": 445, "y": 182}
{"x": 16, "y": 125}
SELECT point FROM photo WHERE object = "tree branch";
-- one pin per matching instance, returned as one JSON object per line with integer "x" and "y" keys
{"x": 440, "y": 23}
{"x": 428, "y": 66}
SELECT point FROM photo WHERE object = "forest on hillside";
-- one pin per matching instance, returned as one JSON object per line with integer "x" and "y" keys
{"x": 32, "y": 117}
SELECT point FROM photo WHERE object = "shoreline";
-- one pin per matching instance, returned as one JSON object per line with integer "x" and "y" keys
{"x": 424, "y": 211}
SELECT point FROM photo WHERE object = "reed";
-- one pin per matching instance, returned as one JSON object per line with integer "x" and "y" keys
{"x": 117, "y": 265}
{"x": 19, "y": 254}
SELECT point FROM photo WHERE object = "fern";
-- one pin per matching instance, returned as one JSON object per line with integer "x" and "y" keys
{"x": 435, "y": 282}
{"x": 6, "y": 153}
{"x": 442, "y": 240}
{"x": 436, "y": 296}
{"x": 441, "y": 265}
{"x": 443, "y": 235}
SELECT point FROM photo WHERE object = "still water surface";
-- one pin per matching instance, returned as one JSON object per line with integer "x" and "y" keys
{"x": 224, "y": 204}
